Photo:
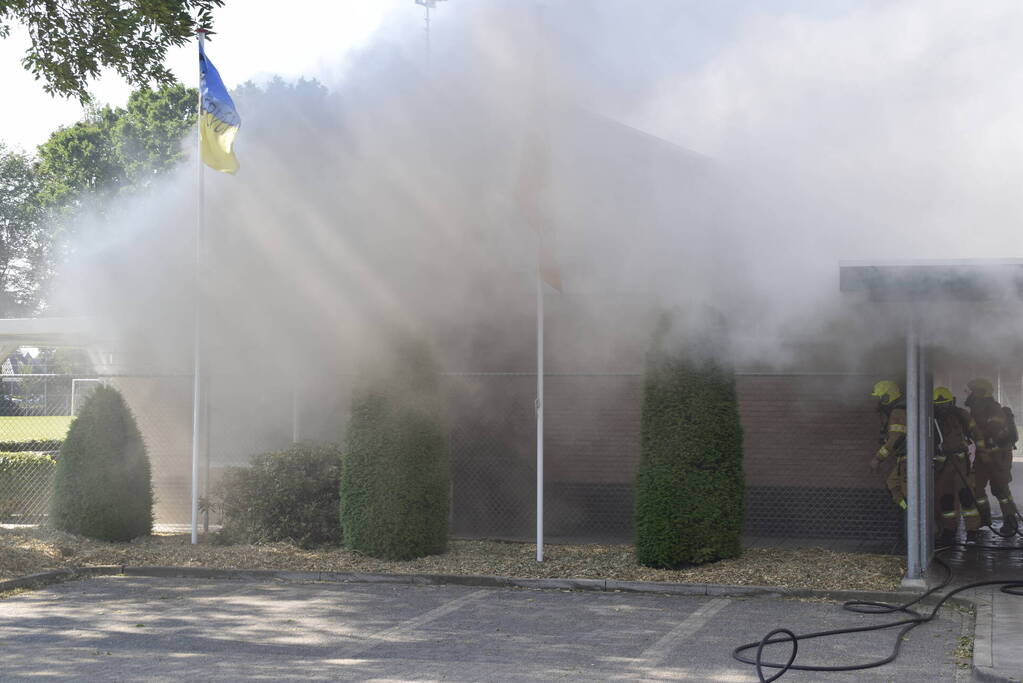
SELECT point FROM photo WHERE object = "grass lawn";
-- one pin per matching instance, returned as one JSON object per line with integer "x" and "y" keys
{"x": 34, "y": 427}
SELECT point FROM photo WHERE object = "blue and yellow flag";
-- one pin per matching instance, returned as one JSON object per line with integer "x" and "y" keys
{"x": 218, "y": 119}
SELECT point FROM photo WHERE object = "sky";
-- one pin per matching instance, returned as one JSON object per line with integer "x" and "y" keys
{"x": 251, "y": 43}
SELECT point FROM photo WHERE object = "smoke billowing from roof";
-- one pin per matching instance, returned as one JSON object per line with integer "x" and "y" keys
{"x": 724, "y": 156}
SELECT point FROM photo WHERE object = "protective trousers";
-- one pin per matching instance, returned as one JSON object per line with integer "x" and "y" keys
{"x": 952, "y": 484}
{"x": 994, "y": 466}
{"x": 896, "y": 482}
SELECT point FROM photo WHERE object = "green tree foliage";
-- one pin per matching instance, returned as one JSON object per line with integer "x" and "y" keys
{"x": 689, "y": 486}
{"x": 102, "y": 486}
{"x": 72, "y": 41}
{"x": 149, "y": 132}
{"x": 21, "y": 234}
{"x": 395, "y": 476}
{"x": 79, "y": 159}
{"x": 113, "y": 150}
{"x": 291, "y": 495}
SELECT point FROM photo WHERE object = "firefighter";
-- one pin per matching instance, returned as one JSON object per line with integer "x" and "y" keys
{"x": 996, "y": 436}
{"x": 954, "y": 428}
{"x": 892, "y": 407}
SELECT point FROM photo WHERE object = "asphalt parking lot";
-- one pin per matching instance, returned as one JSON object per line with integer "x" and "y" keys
{"x": 131, "y": 628}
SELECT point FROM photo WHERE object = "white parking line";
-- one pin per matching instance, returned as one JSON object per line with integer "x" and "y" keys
{"x": 407, "y": 627}
{"x": 654, "y": 655}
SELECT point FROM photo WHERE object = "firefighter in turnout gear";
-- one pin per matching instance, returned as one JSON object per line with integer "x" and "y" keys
{"x": 953, "y": 430}
{"x": 996, "y": 439}
{"x": 892, "y": 407}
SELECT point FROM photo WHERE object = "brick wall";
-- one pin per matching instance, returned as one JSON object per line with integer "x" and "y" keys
{"x": 807, "y": 443}
{"x": 807, "y": 440}
{"x": 812, "y": 431}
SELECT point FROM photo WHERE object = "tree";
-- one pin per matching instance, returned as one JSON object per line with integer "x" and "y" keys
{"x": 73, "y": 41}
{"x": 79, "y": 159}
{"x": 102, "y": 487}
{"x": 113, "y": 149}
{"x": 148, "y": 133}
{"x": 689, "y": 485}
{"x": 21, "y": 233}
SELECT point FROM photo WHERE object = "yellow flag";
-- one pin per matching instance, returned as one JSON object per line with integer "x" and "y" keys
{"x": 218, "y": 119}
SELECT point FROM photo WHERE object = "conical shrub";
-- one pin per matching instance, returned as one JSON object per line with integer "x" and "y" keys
{"x": 689, "y": 485}
{"x": 395, "y": 476}
{"x": 102, "y": 486}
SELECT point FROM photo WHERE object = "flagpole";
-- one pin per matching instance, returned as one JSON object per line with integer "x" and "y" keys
{"x": 539, "y": 414}
{"x": 198, "y": 294}
{"x": 541, "y": 94}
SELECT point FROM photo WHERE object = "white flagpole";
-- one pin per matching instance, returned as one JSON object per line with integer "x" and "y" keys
{"x": 541, "y": 94}
{"x": 539, "y": 412}
{"x": 197, "y": 349}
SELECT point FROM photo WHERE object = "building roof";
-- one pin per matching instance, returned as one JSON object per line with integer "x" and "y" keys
{"x": 951, "y": 280}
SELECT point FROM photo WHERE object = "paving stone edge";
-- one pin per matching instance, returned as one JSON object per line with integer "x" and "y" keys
{"x": 982, "y": 637}
{"x": 57, "y": 576}
{"x": 598, "y": 585}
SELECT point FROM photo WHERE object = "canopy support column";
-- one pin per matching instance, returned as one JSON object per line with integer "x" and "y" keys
{"x": 919, "y": 470}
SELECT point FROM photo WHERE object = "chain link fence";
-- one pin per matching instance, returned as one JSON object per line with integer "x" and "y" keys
{"x": 35, "y": 412}
{"x": 795, "y": 489}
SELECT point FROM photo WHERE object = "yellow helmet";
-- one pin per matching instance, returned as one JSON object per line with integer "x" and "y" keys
{"x": 943, "y": 396}
{"x": 886, "y": 390}
{"x": 980, "y": 387}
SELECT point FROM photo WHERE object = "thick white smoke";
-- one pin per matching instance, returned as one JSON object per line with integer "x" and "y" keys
{"x": 724, "y": 156}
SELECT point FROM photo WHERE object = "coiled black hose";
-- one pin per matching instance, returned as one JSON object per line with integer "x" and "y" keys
{"x": 913, "y": 619}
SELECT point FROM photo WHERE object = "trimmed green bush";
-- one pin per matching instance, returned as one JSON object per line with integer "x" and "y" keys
{"x": 689, "y": 486}
{"x": 395, "y": 478}
{"x": 290, "y": 495}
{"x": 36, "y": 445}
{"x": 25, "y": 482}
{"x": 102, "y": 486}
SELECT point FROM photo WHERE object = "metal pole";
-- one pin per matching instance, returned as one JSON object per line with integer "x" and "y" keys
{"x": 197, "y": 368}
{"x": 295, "y": 435}
{"x": 925, "y": 449}
{"x": 208, "y": 391}
{"x": 539, "y": 415}
{"x": 913, "y": 570}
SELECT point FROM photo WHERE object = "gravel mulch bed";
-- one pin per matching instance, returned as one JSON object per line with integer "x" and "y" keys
{"x": 27, "y": 550}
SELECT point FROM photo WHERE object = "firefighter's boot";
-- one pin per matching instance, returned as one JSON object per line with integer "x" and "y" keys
{"x": 945, "y": 539}
{"x": 1010, "y": 525}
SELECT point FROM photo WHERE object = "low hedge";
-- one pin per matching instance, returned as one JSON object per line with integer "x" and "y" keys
{"x": 25, "y": 481}
{"x": 30, "y": 445}
{"x": 290, "y": 495}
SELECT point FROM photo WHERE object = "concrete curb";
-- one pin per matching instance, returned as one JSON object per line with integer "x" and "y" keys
{"x": 597, "y": 585}
{"x": 57, "y": 576}
{"x": 986, "y": 673}
{"x": 983, "y": 641}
